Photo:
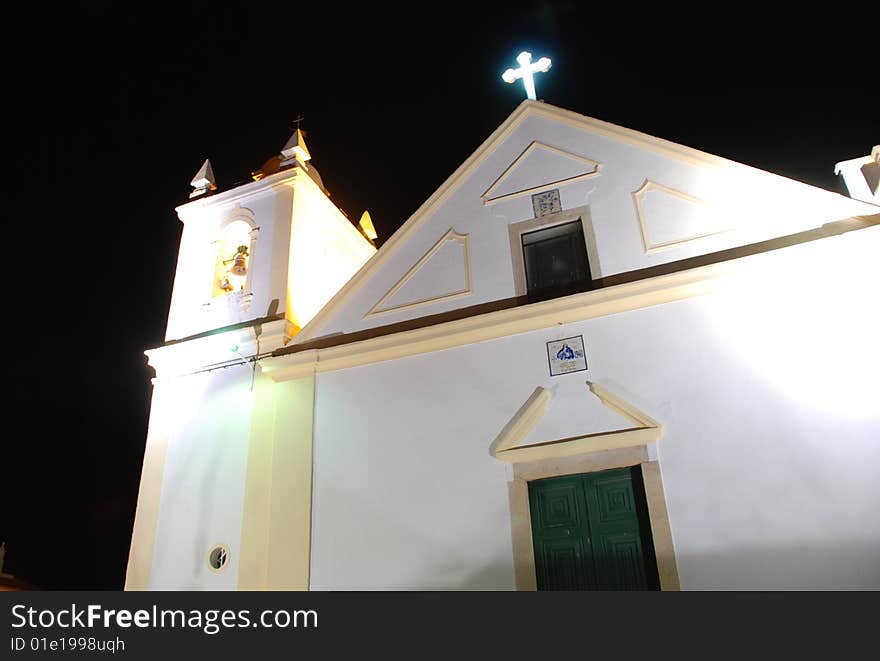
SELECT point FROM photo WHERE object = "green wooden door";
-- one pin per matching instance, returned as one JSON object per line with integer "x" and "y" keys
{"x": 591, "y": 532}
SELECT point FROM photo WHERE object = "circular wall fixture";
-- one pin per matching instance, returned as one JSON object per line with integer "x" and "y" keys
{"x": 218, "y": 556}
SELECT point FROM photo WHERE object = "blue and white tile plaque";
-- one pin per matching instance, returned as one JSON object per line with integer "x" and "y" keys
{"x": 546, "y": 202}
{"x": 567, "y": 355}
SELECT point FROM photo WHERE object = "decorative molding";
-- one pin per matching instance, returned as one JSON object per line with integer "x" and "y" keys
{"x": 295, "y": 361}
{"x": 487, "y": 195}
{"x": 238, "y": 212}
{"x": 523, "y": 421}
{"x": 213, "y": 350}
{"x": 505, "y": 446}
{"x": 570, "y": 447}
{"x": 275, "y": 541}
{"x": 584, "y": 454}
{"x": 589, "y": 462}
{"x": 661, "y": 533}
{"x": 521, "y": 319}
{"x": 451, "y": 235}
{"x": 394, "y": 242}
{"x": 520, "y": 514}
{"x": 518, "y": 495}
{"x": 623, "y": 408}
{"x": 194, "y": 208}
{"x": 638, "y": 198}
{"x": 292, "y": 361}
{"x": 527, "y": 108}
{"x": 516, "y": 230}
{"x": 456, "y": 179}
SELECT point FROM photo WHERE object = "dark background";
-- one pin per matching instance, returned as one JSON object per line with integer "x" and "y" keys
{"x": 112, "y": 107}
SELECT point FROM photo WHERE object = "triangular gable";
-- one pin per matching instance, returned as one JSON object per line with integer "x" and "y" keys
{"x": 637, "y": 428}
{"x": 528, "y": 109}
{"x": 538, "y": 168}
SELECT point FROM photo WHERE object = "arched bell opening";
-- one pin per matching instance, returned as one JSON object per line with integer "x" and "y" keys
{"x": 233, "y": 258}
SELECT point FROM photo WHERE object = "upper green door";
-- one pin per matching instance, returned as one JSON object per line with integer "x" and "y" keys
{"x": 591, "y": 532}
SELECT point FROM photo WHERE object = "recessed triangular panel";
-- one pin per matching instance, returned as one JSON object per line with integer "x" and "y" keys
{"x": 540, "y": 167}
{"x": 583, "y": 420}
{"x": 669, "y": 218}
{"x": 441, "y": 274}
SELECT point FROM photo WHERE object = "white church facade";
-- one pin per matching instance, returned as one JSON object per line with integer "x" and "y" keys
{"x": 592, "y": 359}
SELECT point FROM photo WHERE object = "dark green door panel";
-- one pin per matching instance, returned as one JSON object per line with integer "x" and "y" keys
{"x": 592, "y": 532}
{"x": 614, "y": 528}
{"x": 559, "y": 513}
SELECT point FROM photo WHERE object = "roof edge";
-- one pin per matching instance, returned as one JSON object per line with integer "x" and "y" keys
{"x": 526, "y": 108}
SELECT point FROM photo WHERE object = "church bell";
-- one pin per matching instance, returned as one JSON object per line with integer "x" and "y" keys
{"x": 239, "y": 265}
{"x": 239, "y": 261}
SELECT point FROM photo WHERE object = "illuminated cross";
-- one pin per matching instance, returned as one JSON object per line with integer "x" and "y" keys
{"x": 527, "y": 68}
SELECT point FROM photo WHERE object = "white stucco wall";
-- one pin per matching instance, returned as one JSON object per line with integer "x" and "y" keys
{"x": 767, "y": 391}
{"x": 204, "y": 478}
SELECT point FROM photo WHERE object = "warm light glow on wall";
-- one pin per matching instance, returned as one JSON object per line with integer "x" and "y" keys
{"x": 325, "y": 251}
{"x": 806, "y": 318}
{"x": 236, "y": 233}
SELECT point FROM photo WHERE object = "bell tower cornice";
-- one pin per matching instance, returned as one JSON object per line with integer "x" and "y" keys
{"x": 249, "y": 190}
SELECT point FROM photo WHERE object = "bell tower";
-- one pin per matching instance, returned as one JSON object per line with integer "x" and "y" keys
{"x": 275, "y": 246}
{"x": 256, "y": 262}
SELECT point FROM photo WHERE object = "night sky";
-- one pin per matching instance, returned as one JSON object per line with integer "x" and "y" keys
{"x": 118, "y": 104}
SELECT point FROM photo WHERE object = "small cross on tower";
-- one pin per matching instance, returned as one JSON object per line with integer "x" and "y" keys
{"x": 525, "y": 71}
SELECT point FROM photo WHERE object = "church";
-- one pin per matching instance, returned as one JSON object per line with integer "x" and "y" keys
{"x": 593, "y": 359}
